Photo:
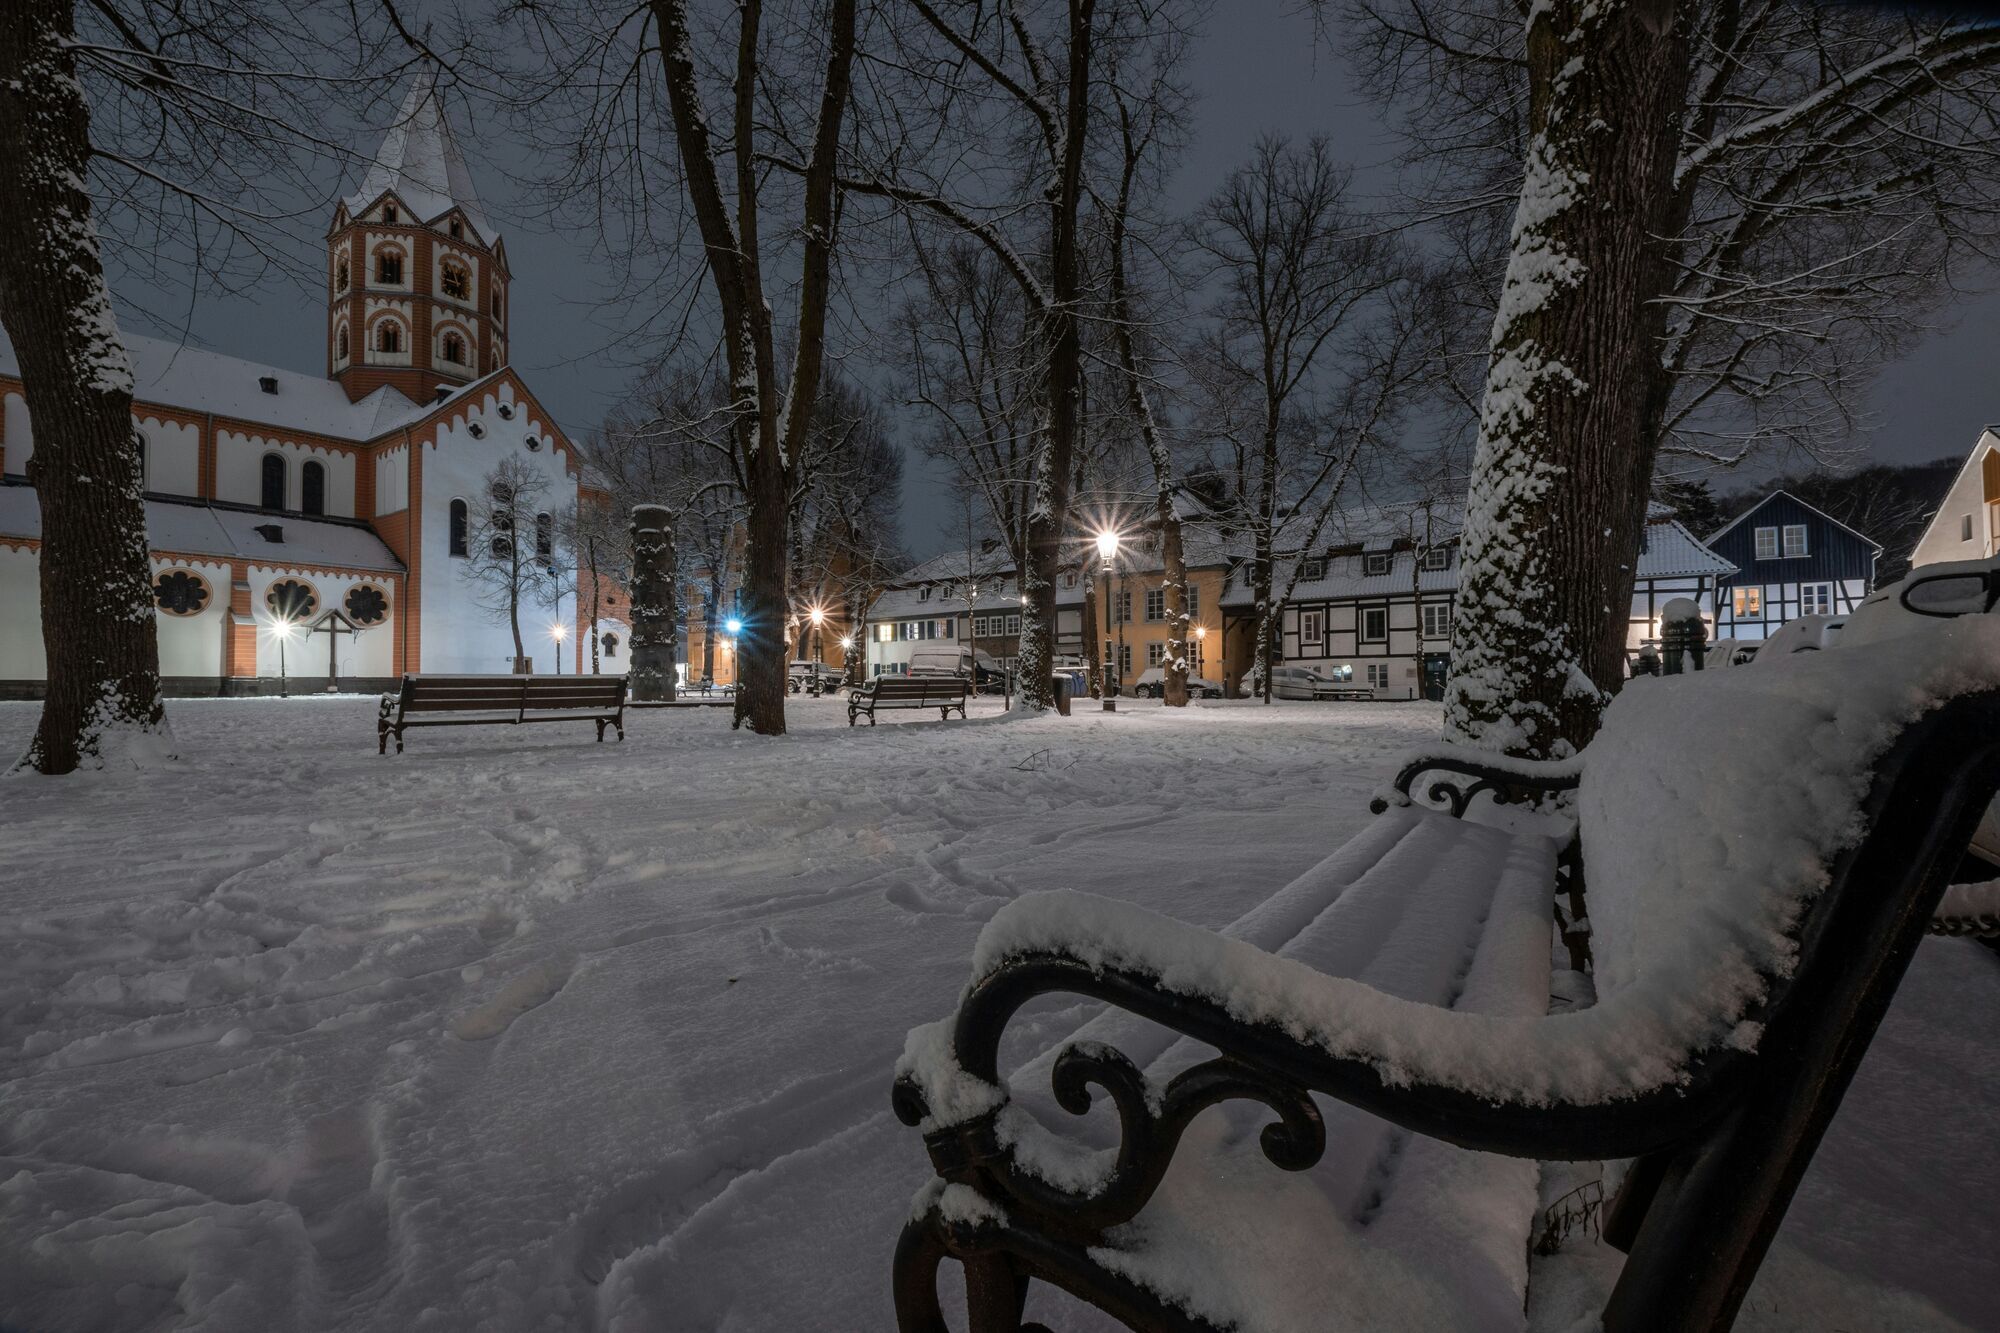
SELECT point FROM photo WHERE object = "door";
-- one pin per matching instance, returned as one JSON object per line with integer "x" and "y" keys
{"x": 1436, "y": 667}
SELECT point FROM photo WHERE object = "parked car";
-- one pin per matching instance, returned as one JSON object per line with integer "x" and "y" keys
{"x": 1296, "y": 682}
{"x": 1152, "y": 684}
{"x": 800, "y": 674}
{"x": 948, "y": 659}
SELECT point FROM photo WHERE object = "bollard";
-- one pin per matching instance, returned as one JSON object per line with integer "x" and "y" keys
{"x": 1683, "y": 637}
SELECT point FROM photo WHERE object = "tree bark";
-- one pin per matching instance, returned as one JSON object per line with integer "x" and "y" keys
{"x": 652, "y": 603}
{"x": 98, "y": 635}
{"x": 1048, "y": 515}
{"x": 1570, "y": 418}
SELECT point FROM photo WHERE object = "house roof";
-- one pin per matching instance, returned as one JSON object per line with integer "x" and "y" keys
{"x": 172, "y": 374}
{"x": 419, "y": 160}
{"x": 194, "y": 528}
{"x": 1875, "y": 545}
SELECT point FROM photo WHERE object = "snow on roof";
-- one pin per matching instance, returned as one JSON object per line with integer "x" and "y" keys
{"x": 1671, "y": 551}
{"x": 199, "y": 529}
{"x": 1803, "y": 505}
{"x": 419, "y": 160}
{"x": 172, "y": 374}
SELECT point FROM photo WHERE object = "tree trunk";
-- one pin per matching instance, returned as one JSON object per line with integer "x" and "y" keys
{"x": 760, "y": 648}
{"x": 1048, "y": 514}
{"x": 1571, "y": 411}
{"x": 652, "y": 603}
{"x": 98, "y": 636}
{"x": 596, "y": 605}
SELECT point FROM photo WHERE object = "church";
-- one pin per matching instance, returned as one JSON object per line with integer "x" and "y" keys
{"x": 274, "y": 497}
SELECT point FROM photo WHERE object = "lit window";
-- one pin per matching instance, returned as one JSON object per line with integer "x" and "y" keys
{"x": 1375, "y": 624}
{"x": 1816, "y": 599}
{"x": 1437, "y": 620}
{"x": 1747, "y": 601}
{"x": 1795, "y": 540}
{"x": 1767, "y": 543}
{"x": 1376, "y": 563}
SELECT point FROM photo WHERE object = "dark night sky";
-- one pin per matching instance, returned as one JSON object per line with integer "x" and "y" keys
{"x": 1259, "y": 69}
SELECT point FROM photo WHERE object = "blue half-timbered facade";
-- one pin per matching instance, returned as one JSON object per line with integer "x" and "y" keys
{"x": 1791, "y": 560}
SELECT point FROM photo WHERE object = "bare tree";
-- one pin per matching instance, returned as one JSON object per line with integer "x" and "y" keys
{"x": 1727, "y": 214}
{"x": 1302, "y": 276}
{"x": 510, "y": 547}
{"x": 171, "y": 126}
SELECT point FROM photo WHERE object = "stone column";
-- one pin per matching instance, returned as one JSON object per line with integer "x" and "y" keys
{"x": 653, "y": 611}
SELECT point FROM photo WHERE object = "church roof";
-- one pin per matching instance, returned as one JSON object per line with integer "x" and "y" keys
{"x": 172, "y": 374}
{"x": 192, "y": 527}
{"x": 419, "y": 160}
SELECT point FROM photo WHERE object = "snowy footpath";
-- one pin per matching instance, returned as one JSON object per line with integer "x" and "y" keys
{"x": 518, "y": 1031}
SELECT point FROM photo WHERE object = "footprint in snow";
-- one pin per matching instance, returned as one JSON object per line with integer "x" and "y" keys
{"x": 530, "y": 990}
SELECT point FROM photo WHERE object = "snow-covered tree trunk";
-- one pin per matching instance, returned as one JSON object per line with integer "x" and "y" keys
{"x": 1573, "y": 393}
{"x": 653, "y": 611}
{"x": 103, "y": 661}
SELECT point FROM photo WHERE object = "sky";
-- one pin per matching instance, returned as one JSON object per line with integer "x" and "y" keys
{"x": 1260, "y": 68}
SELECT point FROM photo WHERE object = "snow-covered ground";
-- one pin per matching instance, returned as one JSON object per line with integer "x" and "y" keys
{"x": 518, "y": 1031}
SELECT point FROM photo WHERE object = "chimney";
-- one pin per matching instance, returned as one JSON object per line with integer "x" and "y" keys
{"x": 271, "y": 532}
{"x": 268, "y": 383}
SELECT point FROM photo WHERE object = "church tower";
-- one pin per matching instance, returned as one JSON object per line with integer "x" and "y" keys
{"x": 417, "y": 278}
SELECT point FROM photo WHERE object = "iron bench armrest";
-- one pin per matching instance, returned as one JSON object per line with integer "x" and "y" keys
{"x": 1511, "y": 781}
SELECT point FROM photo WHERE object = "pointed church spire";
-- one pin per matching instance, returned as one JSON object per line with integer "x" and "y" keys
{"x": 419, "y": 160}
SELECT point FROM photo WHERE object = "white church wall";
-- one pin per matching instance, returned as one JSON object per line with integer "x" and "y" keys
{"x": 392, "y": 481}
{"x": 173, "y": 456}
{"x": 239, "y": 471}
{"x": 192, "y": 645}
{"x": 458, "y": 634}
{"x": 20, "y": 607}
{"x": 1961, "y": 530}
{"x": 371, "y": 653}
{"x": 20, "y": 439}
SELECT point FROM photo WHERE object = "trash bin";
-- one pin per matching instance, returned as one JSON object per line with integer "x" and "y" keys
{"x": 1059, "y": 691}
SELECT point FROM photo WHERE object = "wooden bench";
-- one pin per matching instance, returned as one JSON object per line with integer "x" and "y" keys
{"x": 943, "y": 693}
{"x": 1765, "y": 851}
{"x": 471, "y": 701}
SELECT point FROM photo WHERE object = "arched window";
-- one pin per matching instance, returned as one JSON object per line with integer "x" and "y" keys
{"x": 459, "y": 523}
{"x": 340, "y": 343}
{"x": 340, "y": 276}
{"x": 389, "y": 213}
{"x": 454, "y": 349}
{"x": 389, "y": 268}
{"x": 388, "y": 336}
{"x": 274, "y": 481}
{"x": 457, "y": 230}
{"x": 545, "y": 535}
{"x": 457, "y": 281}
{"x": 496, "y": 303}
{"x": 312, "y": 488}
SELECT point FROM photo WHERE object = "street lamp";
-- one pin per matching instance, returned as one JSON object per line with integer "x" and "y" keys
{"x": 817, "y": 614}
{"x": 847, "y": 658}
{"x": 558, "y": 632}
{"x": 1107, "y": 551}
{"x": 281, "y": 630}
{"x": 1200, "y": 648}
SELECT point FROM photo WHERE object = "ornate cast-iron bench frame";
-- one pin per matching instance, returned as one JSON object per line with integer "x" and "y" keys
{"x": 446, "y": 701}
{"x": 943, "y": 693}
{"x": 1718, "y": 1156}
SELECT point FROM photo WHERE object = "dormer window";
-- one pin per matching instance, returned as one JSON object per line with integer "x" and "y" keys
{"x": 1438, "y": 557}
{"x": 1375, "y": 562}
{"x": 1313, "y": 571}
{"x": 923, "y": 594}
{"x": 389, "y": 269}
{"x": 457, "y": 282}
{"x": 389, "y": 213}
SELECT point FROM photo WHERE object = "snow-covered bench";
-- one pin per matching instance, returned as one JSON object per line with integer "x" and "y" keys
{"x": 1764, "y": 848}
{"x": 943, "y": 693}
{"x": 470, "y": 701}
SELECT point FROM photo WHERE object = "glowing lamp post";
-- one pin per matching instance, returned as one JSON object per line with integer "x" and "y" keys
{"x": 847, "y": 657}
{"x": 1107, "y": 552}
{"x": 281, "y": 630}
{"x": 1200, "y": 648}
{"x": 559, "y": 632}
{"x": 735, "y": 627}
{"x": 817, "y": 615}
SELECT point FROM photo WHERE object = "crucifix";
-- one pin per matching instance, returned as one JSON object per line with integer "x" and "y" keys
{"x": 333, "y": 624}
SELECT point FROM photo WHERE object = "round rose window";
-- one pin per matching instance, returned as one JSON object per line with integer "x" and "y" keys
{"x": 180, "y": 592}
{"x": 367, "y": 604}
{"x": 292, "y": 599}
